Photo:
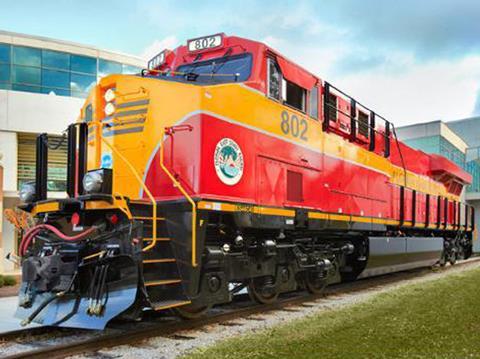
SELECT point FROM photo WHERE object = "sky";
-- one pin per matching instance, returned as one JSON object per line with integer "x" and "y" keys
{"x": 411, "y": 61}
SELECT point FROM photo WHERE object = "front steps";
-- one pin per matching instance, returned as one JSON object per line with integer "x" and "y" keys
{"x": 160, "y": 270}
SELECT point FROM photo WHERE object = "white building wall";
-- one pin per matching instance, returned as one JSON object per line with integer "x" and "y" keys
{"x": 8, "y": 148}
{"x": 36, "y": 113}
{"x": 33, "y": 113}
{"x": 8, "y": 238}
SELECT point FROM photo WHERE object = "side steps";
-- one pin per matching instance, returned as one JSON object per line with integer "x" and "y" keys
{"x": 160, "y": 270}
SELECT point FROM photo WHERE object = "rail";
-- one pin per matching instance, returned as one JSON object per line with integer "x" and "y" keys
{"x": 169, "y": 131}
{"x": 145, "y": 189}
{"x": 356, "y": 123}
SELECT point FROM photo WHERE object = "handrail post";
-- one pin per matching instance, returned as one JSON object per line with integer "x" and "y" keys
{"x": 387, "y": 139}
{"x": 41, "y": 170}
{"x": 326, "y": 110}
{"x": 353, "y": 119}
{"x": 371, "y": 146}
{"x": 169, "y": 131}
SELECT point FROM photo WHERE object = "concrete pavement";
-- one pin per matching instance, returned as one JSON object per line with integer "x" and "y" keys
{"x": 8, "y": 322}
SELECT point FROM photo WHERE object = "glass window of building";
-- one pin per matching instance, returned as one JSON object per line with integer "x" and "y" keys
{"x": 129, "y": 69}
{"x": 58, "y": 79}
{"x": 27, "y": 56}
{"x": 57, "y": 161}
{"x": 26, "y": 75}
{"x": 24, "y": 68}
{"x": 106, "y": 67}
{"x": 26, "y": 88}
{"x": 55, "y": 60}
{"x": 84, "y": 64}
{"x": 4, "y": 73}
{"x": 81, "y": 84}
{"x": 4, "y": 53}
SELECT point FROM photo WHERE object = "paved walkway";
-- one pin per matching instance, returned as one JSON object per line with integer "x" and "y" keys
{"x": 8, "y": 322}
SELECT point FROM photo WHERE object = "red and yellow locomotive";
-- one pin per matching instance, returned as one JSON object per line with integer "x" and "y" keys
{"x": 227, "y": 166}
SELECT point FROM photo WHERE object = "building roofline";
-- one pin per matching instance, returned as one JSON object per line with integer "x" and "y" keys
{"x": 419, "y": 124}
{"x": 433, "y": 128}
{"x": 70, "y": 46}
{"x": 472, "y": 118}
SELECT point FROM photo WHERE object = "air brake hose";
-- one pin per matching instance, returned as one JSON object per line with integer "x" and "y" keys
{"x": 26, "y": 240}
{"x": 46, "y": 302}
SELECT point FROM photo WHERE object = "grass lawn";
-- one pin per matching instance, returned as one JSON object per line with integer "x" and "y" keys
{"x": 437, "y": 319}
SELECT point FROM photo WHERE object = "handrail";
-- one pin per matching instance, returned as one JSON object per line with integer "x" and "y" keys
{"x": 145, "y": 189}
{"x": 169, "y": 132}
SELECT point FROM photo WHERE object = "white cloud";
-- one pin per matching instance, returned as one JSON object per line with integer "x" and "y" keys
{"x": 421, "y": 92}
{"x": 169, "y": 42}
{"x": 401, "y": 89}
{"x": 387, "y": 74}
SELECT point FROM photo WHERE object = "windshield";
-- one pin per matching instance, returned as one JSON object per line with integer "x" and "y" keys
{"x": 220, "y": 70}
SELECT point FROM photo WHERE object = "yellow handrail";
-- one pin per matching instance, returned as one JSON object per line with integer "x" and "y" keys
{"x": 145, "y": 189}
{"x": 189, "y": 199}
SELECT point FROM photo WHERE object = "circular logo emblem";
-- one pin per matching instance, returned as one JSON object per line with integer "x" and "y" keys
{"x": 228, "y": 160}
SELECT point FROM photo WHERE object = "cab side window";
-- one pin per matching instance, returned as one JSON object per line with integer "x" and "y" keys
{"x": 294, "y": 95}
{"x": 313, "y": 103}
{"x": 283, "y": 90}
{"x": 274, "y": 80}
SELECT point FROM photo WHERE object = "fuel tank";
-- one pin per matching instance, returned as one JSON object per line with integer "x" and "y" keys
{"x": 393, "y": 254}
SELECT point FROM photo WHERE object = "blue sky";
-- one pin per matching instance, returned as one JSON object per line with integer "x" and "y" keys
{"x": 413, "y": 61}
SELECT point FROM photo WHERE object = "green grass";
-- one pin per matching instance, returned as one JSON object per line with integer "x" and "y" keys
{"x": 437, "y": 319}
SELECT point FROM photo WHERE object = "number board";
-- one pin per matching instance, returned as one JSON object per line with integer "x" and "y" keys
{"x": 156, "y": 61}
{"x": 207, "y": 42}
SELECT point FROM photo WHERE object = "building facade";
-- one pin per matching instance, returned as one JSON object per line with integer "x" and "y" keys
{"x": 458, "y": 141}
{"x": 469, "y": 130}
{"x": 42, "y": 85}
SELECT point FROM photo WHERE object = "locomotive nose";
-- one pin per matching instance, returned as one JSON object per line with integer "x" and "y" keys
{"x": 52, "y": 295}
{"x": 80, "y": 284}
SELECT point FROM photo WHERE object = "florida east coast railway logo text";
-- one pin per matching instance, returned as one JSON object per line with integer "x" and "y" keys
{"x": 228, "y": 160}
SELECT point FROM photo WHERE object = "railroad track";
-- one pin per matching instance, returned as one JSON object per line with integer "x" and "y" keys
{"x": 134, "y": 333}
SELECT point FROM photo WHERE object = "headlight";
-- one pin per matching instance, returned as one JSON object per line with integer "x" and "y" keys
{"x": 27, "y": 192}
{"x": 109, "y": 95}
{"x": 92, "y": 181}
{"x": 109, "y": 109}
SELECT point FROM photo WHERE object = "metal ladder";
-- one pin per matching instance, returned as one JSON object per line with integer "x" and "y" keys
{"x": 162, "y": 278}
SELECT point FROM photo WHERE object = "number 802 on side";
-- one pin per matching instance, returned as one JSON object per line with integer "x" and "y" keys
{"x": 291, "y": 124}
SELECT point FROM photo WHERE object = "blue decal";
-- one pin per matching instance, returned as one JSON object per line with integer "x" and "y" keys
{"x": 107, "y": 160}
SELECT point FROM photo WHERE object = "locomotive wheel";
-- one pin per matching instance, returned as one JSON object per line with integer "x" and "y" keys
{"x": 443, "y": 260}
{"x": 314, "y": 283}
{"x": 191, "y": 312}
{"x": 262, "y": 290}
{"x": 453, "y": 258}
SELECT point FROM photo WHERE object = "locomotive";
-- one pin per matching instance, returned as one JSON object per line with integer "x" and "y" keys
{"x": 225, "y": 166}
